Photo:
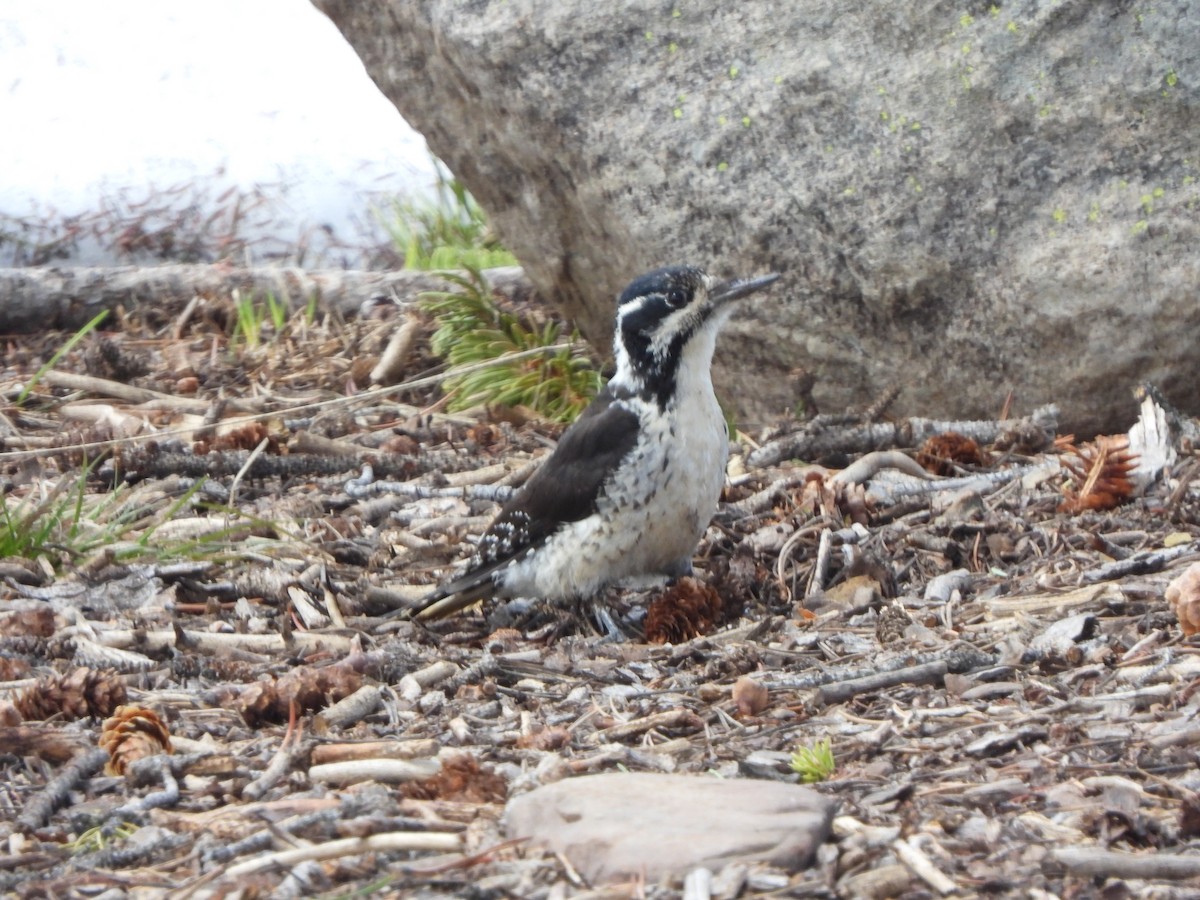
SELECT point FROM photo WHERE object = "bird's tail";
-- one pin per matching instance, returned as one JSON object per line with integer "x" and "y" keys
{"x": 459, "y": 594}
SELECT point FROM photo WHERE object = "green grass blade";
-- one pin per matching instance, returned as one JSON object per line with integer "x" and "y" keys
{"x": 60, "y": 353}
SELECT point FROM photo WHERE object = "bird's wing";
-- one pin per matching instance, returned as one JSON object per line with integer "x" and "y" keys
{"x": 563, "y": 489}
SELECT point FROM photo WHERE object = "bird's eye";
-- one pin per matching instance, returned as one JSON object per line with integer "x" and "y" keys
{"x": 676, "y": 298}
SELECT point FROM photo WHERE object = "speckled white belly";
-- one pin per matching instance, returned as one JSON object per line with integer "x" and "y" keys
{"x": 652, "y": 514}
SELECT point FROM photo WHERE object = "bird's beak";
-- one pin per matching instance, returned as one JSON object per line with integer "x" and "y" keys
{"x": 732, "y": 290}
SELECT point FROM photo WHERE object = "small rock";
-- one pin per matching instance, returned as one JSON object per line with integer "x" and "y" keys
{"x": 768, "y": 764}
{"x": 967, "y": 506}
{"x": 1001, "y": 546}
{"x": 730, "y": 881}
{"x": 1183, "y": 594}
{"x": 750, "y": 696}
{"x": 1064, "y": 634}
{"x": 856, "y": 593}
{"x": 940, "y": 588}
{"x": 770, "y": 538}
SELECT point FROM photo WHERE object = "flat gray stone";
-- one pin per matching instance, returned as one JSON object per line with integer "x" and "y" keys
{"x": 620, "y": 825}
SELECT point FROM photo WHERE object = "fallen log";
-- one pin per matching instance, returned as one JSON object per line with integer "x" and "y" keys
{"x": 65, "y": 298}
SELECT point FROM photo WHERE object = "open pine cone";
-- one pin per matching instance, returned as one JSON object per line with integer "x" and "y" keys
{"x": 132, "y": 733}
{"x": 76, "y": 695}
{"x": 687, "y": 608}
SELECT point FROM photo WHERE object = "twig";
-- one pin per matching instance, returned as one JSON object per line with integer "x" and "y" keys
{"x": 261, "y": 840}
{"x": 466, "y": 862}
{"x": 284, "y": 761}
{"x": 763, "y": 500}
{"x": 876, "y": 410}
{"x": 871, "y": 464}
{"x": 377, "y": 843}
{"x": 884, "y": 492}
{"x": 926, "y": 673}
{"x": 434, "y": 673}
{"x": 404, "y": 749}
{"x": 46, "y": 740}
{"x": 960, "y": 659}
{"x": 671, "y": 718}
{"x": 1185, "y": 738}
{"x": 1186, "y": 477}
{"x": 941, "y": 587}
{"x": 1139, "y": 564}
{"x": 922, "y": 866}
{"x": 817, "y": 439}
{"x": 137, "y": 809}
{"x": 216, "y": 642}
{"x": 1143, "y": 696}
{"x": 127, "y": 854}
{"x": 360, "y": 399}
{"x": 1094, "y": 862}
{"x": 241, "y": 473}
{"x": 821, "y": 563}
{"x": 385, "y": 771}
{"x": 487, "y": 666}
{"x": 785, "y": 556}
{"x": 57, "y": 791}
{"x": 519, "y": 476}
{"x": 142, "y": 463}
{"x": 306, "y": 609}
{"x": 352, "y": 709}
{"x": 395, "y": 356}
{"x": 92, "y": 385}
{"x": 181, "y": 321}
{"x": 331, "y": 603}
{"x": 149, "y": 769}
{"x": 366, "y": 486}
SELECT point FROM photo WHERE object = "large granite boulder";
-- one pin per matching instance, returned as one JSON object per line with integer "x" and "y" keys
{"x": 966, "y": 199}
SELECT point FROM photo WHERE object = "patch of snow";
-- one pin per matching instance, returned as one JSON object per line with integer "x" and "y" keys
{"x": 118, "y": 103}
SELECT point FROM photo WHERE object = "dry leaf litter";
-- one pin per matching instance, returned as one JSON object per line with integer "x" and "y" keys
{"x": 223, "y": 697}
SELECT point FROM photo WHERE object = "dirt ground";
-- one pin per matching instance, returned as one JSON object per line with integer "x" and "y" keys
{"x": 223, "y": 537}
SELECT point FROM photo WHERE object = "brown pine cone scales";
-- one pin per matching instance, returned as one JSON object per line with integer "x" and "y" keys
{"x": 684, "y": 610}
{"x": 75, "y": 695}
{"x": 132, "y": 733}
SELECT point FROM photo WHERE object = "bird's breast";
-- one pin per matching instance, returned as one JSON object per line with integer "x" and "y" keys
{"x": 665, "y": 498}
{"x": 650, "y": 514}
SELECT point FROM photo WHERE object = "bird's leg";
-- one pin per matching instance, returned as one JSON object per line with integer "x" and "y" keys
{"x": 608, "y": 614}
{"x": 603, "y": 616}
{"x": 566, "y": 617}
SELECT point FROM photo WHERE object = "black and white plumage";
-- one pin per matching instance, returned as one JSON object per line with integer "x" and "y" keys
{"x": 633, "y": 483}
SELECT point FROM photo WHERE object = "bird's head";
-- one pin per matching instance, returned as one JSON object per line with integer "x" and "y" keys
{"x": 668, "y": 317}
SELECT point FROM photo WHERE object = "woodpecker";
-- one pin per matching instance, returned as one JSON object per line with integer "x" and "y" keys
{"x": 632, "y": 485}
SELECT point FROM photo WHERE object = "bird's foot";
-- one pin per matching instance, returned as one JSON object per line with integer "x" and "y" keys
{"x": 603, "y": 616}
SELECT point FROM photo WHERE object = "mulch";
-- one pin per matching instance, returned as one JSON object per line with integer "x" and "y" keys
{"x": 1008, "y": 695}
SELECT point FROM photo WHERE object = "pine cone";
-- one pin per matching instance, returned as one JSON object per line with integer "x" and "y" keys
{"x": 36, "y": 621}
{"x": 14, "y": 669}
{"x": 82, "y": 693}
{"x": 942, "y": 454}
{"x": 686, "y": 609}
{"x": 132, "y": 733}
{"x": 309, "y": 687}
